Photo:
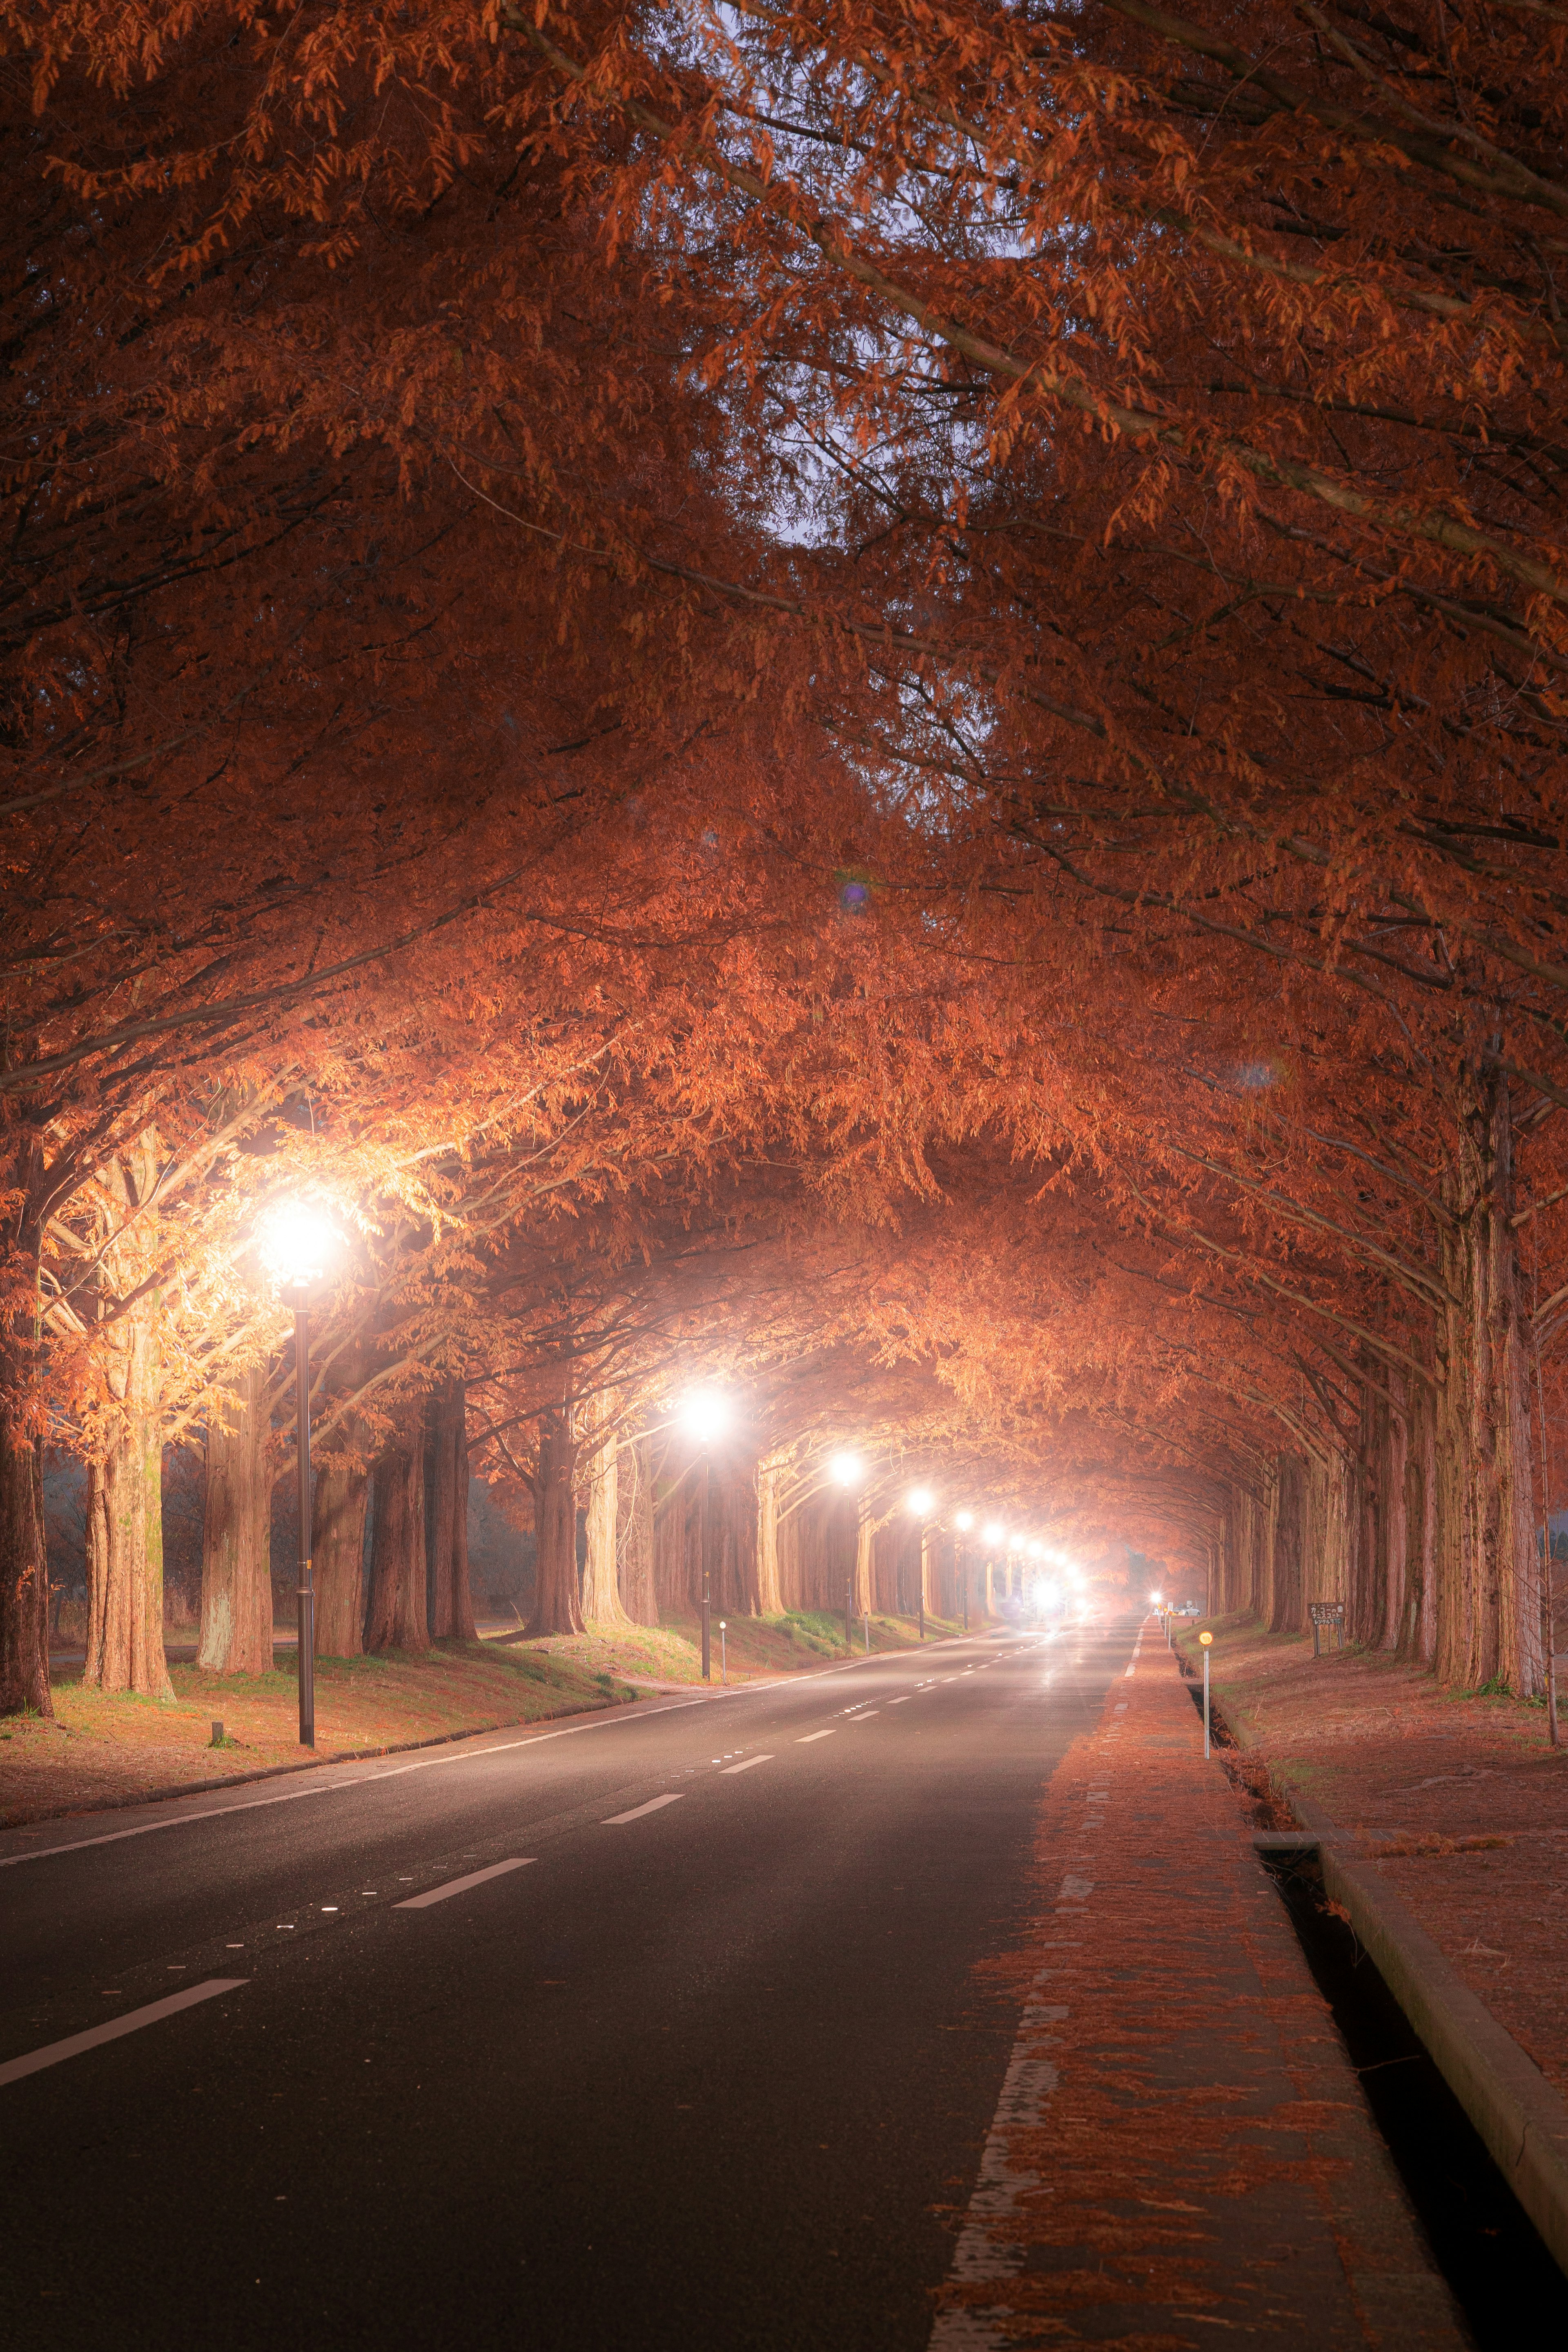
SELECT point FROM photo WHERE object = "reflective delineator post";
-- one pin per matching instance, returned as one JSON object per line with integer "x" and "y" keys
{"x": 1205, "y": 1639}
{"x": 724, "y": 1653}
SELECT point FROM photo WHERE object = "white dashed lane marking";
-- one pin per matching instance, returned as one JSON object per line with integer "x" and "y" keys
{"x": 461, "y": 1885}
{"x": 637, "y": 1812}
{"x": 746, "y": 1766}
{"x": 53, "y": 2052}
{"x": 807, "y": 1737}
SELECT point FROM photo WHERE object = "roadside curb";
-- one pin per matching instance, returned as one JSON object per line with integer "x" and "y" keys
{"x": 1520, "y": 2117}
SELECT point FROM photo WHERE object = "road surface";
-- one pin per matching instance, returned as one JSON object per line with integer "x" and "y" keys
{"x": 671, "y": 2028}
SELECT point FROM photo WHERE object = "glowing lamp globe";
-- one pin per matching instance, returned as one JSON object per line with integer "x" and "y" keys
{"x": 297, "y": 1244}
{"x": 1037, "y": 1551}
{"x": 995, "y": 1534}
{"x": 705, "y": 1414}
{"x": 920, "y": 1500}
{"x": 848, "y": 1470}
{"x": 964, "y": 1522}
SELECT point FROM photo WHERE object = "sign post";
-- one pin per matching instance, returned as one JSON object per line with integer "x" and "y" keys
{"x": 1326, "y": 1616}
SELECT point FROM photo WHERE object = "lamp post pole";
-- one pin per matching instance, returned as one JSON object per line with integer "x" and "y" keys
{"x": 305, "y": 1597}
{"x": 923, "y": 1577}
{"x": 707, "y": 1617}
{"x": 963, "y": 1580}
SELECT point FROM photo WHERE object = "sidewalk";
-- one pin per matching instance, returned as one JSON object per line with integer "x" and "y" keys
{"x": 1182, "y": 2150}
{"x": 1456, "y": 1796}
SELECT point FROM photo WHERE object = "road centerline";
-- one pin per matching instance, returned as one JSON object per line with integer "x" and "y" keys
{"x": 53, "y": 2053}
{"x": 461, "y": 1885}
{"x": 615, "y": 1821}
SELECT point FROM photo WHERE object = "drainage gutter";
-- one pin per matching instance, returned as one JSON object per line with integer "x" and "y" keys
{"x": 1516, "y": 2111}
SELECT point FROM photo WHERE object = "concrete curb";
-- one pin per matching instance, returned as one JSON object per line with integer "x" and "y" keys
{"x": 1519, "y": 2114}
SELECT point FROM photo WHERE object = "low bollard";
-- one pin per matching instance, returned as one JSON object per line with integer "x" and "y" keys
{"x": 724, "y": 1654}
{"x": 1206, "y": 1639}
{"x": 868, "y": 1632}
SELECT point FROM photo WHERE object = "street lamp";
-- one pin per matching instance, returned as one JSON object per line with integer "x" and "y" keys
{"x": 964, "y": 1522}
{"x": 297, "y": 1246}
{"x": 847, "y": 1469}
{"x": 706, "y": 1413}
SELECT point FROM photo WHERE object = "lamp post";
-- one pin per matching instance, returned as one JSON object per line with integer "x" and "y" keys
{"x": 964, "y": 1522}
{"x": 297, "y": 1244}
{"x": 305, "y": 1594}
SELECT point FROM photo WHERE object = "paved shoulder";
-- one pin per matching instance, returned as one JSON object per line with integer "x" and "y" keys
{"x": 1182, "y": 2146}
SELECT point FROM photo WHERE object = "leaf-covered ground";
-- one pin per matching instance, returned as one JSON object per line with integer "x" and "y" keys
{"x": 1180, "y": 2154}
{"x": 1456, "y": 1795}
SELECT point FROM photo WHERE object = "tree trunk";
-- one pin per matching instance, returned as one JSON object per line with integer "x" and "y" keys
{"x": 865, "y": 1543}
{"x": 125, "y": 1539}
{"x": 24, "y": 1573}
{"x": 556, "y": 1609}
{"x": 236, "y": 1636}
{"x": 398, "y": 1607}
{"x": 452, "y": 1607}
{"x": 601, "y": 1588}
{"x": 770, "y": 1592}
{"x": 24, "y": 1564}
{"x": 1489, "y": 1572}
{"x": 634, "y": 1537}
{"x": 337, "y": 1538}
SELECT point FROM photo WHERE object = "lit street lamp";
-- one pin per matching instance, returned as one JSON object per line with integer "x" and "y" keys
{"x": 964, "y": 1522}
{"x": 297, "y": 1244}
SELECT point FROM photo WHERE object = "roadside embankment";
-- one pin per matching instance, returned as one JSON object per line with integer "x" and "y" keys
{"x": 1438, "y": 1817}
{"x": 1456, "y": 1797}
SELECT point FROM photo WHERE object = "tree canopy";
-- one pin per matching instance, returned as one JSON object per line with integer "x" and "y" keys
{"x": 858, "y": 700}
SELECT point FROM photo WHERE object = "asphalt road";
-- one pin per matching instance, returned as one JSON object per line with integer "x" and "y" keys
{"x": 714, "y": 2073}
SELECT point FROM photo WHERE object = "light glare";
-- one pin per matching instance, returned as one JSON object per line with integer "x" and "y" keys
{"x": 847, "y": 1469}
{"x": 964, "y": 1521}
{"x": 705, "y": 1414}
{"x": 920, "y": 1500}
{"x": 296, "y": 1244}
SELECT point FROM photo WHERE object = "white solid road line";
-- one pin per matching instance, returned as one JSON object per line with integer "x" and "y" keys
{"x": 53, "y": 2052}
{"x": 461, "y": 1885}
{"x": 746, "y": 1766}
{"x": 652, "y": 1806}
{"x": 807, "y": 1737}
